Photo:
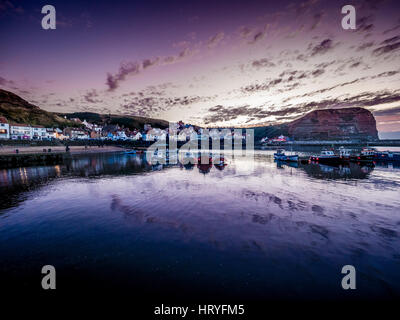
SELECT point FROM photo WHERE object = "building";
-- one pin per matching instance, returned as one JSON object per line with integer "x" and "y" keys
{"x": 19, "y": 131}
{"x": 39, "y": 132}
{"x": 95, "y": 134}
{"x": 76, "y": 133}
{"x": 4, "y": 128}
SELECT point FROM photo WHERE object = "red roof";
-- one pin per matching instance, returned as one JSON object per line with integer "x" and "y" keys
{"x": 3, "y": 120}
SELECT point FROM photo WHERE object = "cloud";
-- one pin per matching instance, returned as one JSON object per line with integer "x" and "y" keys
{"x": 244, "y": 32}
{"x": 257, "y": 36}
{"x": 364, "y": 24}
{"x": 387, "y": 112}
{"x": 365, "y": 99}
{"x": 322, "y": 48}
{"x": 5, "y": 82}
{"x": 288, "y": 112}
{"x": 134, "y": 67}
{"x": 154, "y": 99}
{"x": 220, "y": 113}
{"x": 386, "y": 49}
{"x": 292, "y": 75}
{"x": 365, "y": 45}
{"x": 215, "y": 40}
{"x": 318, "y": 72}
{"x": 146, "y": 63}
{"x": 390, "y": 40}
{"x": 125, "y": 69}
{"x": 9, "y": 7}
{"x": 91, "y": 96}
{"x": 316, "y": 20}
{"x": 262, "y": 63}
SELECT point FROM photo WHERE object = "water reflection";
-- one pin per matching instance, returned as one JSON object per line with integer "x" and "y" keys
{"x": 323, "y": 171}
{"x": 248, "y": 229}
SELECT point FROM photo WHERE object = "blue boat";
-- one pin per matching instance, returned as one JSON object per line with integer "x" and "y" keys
{"x": 281, "y": 156}
{"x": 130, "y": 152}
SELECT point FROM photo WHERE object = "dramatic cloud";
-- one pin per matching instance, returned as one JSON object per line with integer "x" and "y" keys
{"x": 129, "y": 68}
{"x": 134, "y": 68}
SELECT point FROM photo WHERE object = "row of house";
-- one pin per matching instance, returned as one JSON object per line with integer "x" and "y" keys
{"x": 87, "y": 130}
{"x": 19, "y": 131}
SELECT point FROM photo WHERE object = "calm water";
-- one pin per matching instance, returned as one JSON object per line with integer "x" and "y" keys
{"x": 272, "y": 231}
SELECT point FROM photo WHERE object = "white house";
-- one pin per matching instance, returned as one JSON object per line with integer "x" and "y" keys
{"x": 39, "y": 132}
{"x": 87, "y": 124}
{"x": 137, "y": 136}
{"x": 121, "y": 135}
{"x": 4, "y": 128}
{"x": 20, "y": 131}
{"x": 76, "y": 133}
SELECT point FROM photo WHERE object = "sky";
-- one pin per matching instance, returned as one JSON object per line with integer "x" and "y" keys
{"x": 210, "y": 63}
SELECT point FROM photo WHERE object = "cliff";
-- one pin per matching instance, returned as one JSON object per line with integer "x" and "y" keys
{"x": 346, "y": 123}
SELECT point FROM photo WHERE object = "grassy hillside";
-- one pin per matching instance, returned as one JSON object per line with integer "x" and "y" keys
{"x": 17, "y": 110}
{"x": 269, "y": 131}
{"x": 130, "y": 122}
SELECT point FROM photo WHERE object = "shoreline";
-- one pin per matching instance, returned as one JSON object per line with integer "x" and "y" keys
{"x": 32, "y": 150}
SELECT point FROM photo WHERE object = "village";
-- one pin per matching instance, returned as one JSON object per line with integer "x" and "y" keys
{"x": 85, "y": 130}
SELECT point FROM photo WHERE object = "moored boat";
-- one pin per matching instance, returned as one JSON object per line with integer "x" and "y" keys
{"x": 327, "y": 157}
{"x": 366, "y": 155}
{"x": 130, "y": 152}
{"x": 281, "y": 156}
{"x": 345, "y": 154}
{"x": 388, "y": 156}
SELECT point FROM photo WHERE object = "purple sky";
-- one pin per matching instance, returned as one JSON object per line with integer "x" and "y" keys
{"x": 206, "y": 62}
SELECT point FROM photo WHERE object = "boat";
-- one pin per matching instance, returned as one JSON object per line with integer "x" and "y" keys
{"x": 367, "y": 155}
{"x": 219, "y": 162}
{"x": 130, "y": 152}
{"x": 281, "y": 156}
{"x": 345, "y": 154}
{"x": 387, "y": 156}
{"x": 327, "y": 157}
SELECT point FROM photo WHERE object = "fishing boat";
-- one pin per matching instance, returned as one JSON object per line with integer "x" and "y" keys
{"x": 327, "y": 157}
{"x": 345, "y": 154}
{"x": 219, "y": 162}
{"x": 367, "y": 155}
{"x": 388, "y": 156}
{"x": 281, "y": 156}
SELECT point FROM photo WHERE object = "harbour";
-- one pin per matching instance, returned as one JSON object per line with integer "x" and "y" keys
{"x": 255, "y": 223}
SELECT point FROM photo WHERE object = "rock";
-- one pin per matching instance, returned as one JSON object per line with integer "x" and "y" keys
{"x": 346, "y": 123}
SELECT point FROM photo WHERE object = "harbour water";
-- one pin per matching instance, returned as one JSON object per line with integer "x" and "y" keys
{"x": 268, "y": 231}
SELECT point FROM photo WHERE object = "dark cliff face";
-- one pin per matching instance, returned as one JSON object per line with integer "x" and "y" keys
{"x": 347, "y": 123}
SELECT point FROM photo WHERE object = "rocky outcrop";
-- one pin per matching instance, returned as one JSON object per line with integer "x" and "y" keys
{"x": 347, "y": 123}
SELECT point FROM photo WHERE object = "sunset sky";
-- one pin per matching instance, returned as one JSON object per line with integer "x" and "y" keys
{"x": 226, "y": 63}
